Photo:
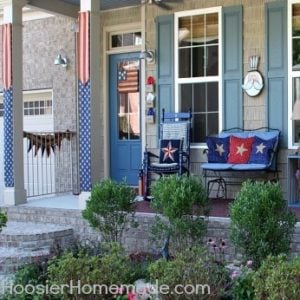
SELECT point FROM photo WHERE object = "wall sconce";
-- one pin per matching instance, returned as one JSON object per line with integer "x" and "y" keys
{"x": 148, "y": 55}
{"x": 61, "y": 59}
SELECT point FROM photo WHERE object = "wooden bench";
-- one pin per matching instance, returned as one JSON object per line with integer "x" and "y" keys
{"x": 223, "y": 167}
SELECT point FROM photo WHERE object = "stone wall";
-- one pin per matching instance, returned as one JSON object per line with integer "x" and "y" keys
{"x": 135, "y": 239}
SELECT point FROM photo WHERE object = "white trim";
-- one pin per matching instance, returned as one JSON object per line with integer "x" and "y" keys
{"x": 217, "y": 9}
{"x": 291, "y": 74}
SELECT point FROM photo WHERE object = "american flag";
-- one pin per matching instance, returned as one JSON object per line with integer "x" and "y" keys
{"x": 6, "y": 56}
{"x": 128, "y": 81}
{"x": 83, "y": 47}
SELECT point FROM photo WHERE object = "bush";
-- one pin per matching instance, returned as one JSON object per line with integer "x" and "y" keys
{"x": 278, "y": 278}
{"x": 181, "y": 203}
{"x": 3, "y": 220}
{"x": 242, "y": 287}
{"x": 31, "y": 274}
{"x": 261, "y": 224}
{"x": 111, "y": 267}
{"x": 108, "y": 209}
{"x": 191, "y": 268}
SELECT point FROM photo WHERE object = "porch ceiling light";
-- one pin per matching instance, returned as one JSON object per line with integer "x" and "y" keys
{"x": 148, "y": 55}
{"x": 61, "y": 60}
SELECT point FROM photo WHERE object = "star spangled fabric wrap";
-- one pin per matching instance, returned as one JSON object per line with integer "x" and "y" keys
{"x": 8, "y": 104}
{"x": 84, "y": 94}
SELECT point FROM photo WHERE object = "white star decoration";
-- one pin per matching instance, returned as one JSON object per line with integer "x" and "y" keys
{"x": 220, "y": 149}
{"x": 260, "y": 148}
{"x": 241, "y": 149}
{"x": 169, "y": 151}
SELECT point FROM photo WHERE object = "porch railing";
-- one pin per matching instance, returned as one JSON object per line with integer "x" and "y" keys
{"x": 49, "y": 162}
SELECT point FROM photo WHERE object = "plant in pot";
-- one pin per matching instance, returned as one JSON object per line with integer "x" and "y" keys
{"x": 181, "y": 206}
{"x": 110, "y": 209}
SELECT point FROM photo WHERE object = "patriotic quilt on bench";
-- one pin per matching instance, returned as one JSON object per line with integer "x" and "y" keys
{"x": 237, "y": 150}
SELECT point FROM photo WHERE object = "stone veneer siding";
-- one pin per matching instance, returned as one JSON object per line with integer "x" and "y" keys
{"x": 135, "y": 239}
{"x": 42, "y": 41}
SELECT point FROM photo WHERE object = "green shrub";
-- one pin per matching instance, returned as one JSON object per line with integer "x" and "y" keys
{"x": 192, "y": 267}
{"x": 180, "y": 203}
{"x": 110, "y": 209}
{"x": 261, "y": 224}
{"x": 3, "y": 220}
{"x": 111, "y": 267}
{"x": 31, "y": 274}
{"x": 242, "y": 287}
{"x": 278, "y": 278}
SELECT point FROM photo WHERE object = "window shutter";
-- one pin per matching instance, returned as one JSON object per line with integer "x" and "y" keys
{"x": 165, "y": 63}
{"x": 276, "y": 67}
{"x": 232, "y": 25}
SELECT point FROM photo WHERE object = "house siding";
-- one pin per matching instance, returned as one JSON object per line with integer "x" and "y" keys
{"x": 41, "y": 47}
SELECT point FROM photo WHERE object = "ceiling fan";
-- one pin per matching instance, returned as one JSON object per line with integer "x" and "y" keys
{"x": 161, "y": 3}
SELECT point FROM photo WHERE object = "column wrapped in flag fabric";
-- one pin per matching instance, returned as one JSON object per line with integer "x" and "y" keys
{"x": 8, "y": 104}
{"x": 84, "y": 95}
{"x": 6, "y": 58}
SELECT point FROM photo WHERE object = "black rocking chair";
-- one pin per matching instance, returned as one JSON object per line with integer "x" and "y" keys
{"x": 174, "y": 156}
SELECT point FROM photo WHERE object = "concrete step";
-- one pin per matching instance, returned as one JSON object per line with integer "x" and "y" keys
{"x": 28, "y": 242}
{"x": 13, "y": 258}
{"x": 31, "y": 235}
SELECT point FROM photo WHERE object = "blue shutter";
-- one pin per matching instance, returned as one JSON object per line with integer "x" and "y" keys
{"x": 276, "y": 67}
{"x": 165, "y": 63}
{"x": 232, "y": 25}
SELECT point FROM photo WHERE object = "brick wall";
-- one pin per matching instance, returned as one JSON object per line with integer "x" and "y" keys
{"x": 135, "y": 239}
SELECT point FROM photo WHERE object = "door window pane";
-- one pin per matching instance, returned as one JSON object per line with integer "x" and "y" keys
{"x": 128, "y": 100}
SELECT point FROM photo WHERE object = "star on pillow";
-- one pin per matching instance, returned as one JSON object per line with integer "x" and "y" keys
{"x": 169, "y": 152}
{"x": 260, "y": 148}
{"x": 220, "y": 149}
{"x": 241, "y": 149}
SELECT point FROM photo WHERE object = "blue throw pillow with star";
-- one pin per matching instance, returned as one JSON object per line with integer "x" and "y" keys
{"x": 218, "y": 149}
{"x": 169, "y": 151}
{"x": 262, "y": 150}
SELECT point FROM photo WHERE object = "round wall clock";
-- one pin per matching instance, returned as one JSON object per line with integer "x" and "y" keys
{"x": 253, "y": 83}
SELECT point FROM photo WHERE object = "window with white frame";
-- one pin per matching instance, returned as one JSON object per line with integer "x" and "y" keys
{"x": 36, "y": 103}
{"x": 294, "y": 66}
{"x": 198, "y": 69}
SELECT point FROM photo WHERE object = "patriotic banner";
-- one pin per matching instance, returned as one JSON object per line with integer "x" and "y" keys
{"x": 128, "y": 81}
{"x": 84, "y": 47}
{"x": 84, "y": 99}
{"x": 6, "y": 56}
{"x": 8, "y": 104}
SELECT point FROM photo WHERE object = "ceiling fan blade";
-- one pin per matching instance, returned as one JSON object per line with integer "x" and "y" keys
{"x": 162, "y": 5}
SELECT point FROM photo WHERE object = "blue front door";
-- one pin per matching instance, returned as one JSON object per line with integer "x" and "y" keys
{"x": 124, "y": 105}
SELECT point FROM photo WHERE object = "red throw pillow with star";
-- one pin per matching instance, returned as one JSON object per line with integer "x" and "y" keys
{"x": 240, "y": 150}
{"x": 169, "y": 151}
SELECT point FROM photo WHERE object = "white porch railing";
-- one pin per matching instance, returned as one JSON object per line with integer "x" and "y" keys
{"x": 50, "y": 162}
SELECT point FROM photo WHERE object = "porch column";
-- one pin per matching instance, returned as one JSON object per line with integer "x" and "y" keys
{"x": 89, "y": 96}
{"x": 14, "y": 192}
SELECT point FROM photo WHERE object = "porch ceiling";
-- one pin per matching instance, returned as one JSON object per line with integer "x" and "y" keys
{"x": 71, "y": 7}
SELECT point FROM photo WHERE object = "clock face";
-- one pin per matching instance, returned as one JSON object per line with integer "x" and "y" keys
{"x": 253, "y": 83}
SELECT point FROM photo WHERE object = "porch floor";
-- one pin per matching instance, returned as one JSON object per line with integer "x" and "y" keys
{"x": 219, "y": 207}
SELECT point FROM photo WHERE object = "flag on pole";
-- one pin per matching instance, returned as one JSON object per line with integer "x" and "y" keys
{"x": 84, "y": 47}
{"x": 128, "y": 81}
{"x": 6, "y": 56}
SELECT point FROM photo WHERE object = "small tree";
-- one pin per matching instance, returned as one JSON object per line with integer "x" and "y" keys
{"x": 181, "y": 204}
{"x": 261, "y": 224}
{"x": 110, "y": 209}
